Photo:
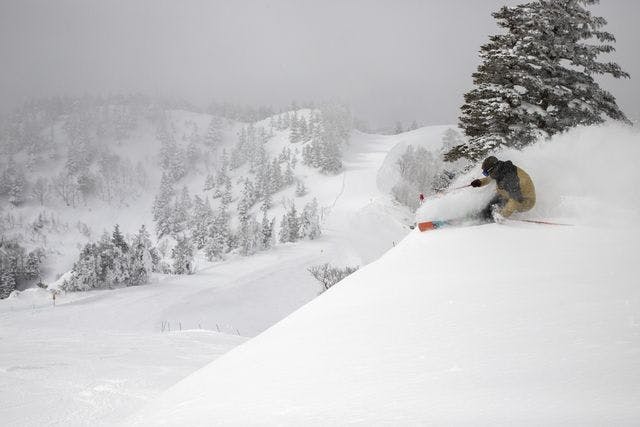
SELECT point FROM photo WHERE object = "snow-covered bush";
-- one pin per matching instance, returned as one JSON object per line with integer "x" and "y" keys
{"x": 329, "y": 275}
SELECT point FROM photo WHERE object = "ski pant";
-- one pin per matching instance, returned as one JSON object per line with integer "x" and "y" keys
{"x": 505, "y": 206}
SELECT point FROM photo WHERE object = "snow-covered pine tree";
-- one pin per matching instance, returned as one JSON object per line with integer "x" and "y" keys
{"x": 209, "y": 183}
{"x": 303, "y": 129}
{"x": 118, "y": 239}
{"x": 7, "y": 283}
{"x": 200, "y": 222}
{"x": 294, "y": 135}
{"x": 143, "y": 257}
{"x": 163, "y": 206}
{"x": 301, "y": 189}
{"x": 227, "y": 197}
{"x": 537, "y": 78}
{"x": 310, "y": 220}
{"x": 181, "y": 212}
{"x": 267, "y": 203}
{"x": 289, "y": 177}
{"x": 173, "y": 159}
{"x": 275, "y": 175}
{"x": 213, "y": 136}
{"x": 182, "y": 255}
{"x": 285, "y": 233}
{"x": 293, "y": 223}
{"x": 14, "y": 183}
{"x": 266, "y": 230}
{"x": 219, "y": 234}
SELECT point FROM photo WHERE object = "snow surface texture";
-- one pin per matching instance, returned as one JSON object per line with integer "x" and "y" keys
{"x": 486, "y": 325}
{"x": 99, "y": 356}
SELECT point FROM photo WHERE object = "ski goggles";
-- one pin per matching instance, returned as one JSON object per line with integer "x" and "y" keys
{"x": 488, "y": 171}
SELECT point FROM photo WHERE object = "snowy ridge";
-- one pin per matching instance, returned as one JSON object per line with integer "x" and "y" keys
{"x": 489, "y": 324}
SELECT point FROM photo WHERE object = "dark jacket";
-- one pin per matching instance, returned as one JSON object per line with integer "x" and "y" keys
{"x": 514, "y": 185}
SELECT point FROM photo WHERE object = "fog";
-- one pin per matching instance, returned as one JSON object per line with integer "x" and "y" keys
{"x": 390, "y": 60}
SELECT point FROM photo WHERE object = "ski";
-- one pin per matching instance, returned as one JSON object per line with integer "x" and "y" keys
{"x": 431, "y": 225}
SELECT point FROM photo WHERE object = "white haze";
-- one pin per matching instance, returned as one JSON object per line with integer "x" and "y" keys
{"x": 390, "y": 60}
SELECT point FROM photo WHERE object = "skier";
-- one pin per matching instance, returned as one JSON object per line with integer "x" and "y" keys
{"x": 421, "y": 198}
{"x": 515, "y": 192}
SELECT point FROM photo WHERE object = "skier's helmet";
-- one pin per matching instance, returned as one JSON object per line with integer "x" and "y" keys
{"x": 488, "y": 165}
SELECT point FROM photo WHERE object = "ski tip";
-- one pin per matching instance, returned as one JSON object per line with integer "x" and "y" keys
{"x": 432, "y": 225}
{"x": 424, "y": 226}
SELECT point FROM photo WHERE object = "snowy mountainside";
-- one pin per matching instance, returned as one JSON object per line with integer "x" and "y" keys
{"x": 127, "y": 328}
{"x": 125, "y": 172}
{"x": 490, "y": 324}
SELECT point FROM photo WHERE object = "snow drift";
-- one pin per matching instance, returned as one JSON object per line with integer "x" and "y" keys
{"x": 489, "y": 324}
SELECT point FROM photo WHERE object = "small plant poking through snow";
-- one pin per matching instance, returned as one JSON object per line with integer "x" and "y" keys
{"x": 328, "y": 275}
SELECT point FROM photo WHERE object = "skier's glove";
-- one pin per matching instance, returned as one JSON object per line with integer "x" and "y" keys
{"x": 476, "y": 183}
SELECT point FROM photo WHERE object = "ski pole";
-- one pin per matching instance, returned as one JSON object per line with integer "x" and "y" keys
{"x": 533, "y": 221}
{"x": 452, "y": 190}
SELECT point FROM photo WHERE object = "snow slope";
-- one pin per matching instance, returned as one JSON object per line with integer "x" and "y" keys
{"x": 98, "y": 356}
{"x": 494, "y": 324}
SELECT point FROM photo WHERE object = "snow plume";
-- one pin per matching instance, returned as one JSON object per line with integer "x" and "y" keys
{"x": 585, "y": 176}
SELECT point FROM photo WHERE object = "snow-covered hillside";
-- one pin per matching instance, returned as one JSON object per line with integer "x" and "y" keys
{"x": 493, "y": 324}
{"x": 98, "y": 356}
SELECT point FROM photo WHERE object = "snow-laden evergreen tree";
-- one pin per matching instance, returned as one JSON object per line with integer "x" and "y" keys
{"x": 200, "y": 222}
{"x": 249, "y": 236}
{"x": 13, "y": 183}
{"x": 173, "y": 159}
{"x": 267, "y": 203}
{"x": 290, "y": 225}
{"x": 289, "y": 177}
{"x": 141, "y": 258}
{"x": 310, "y": 221}
{"x": 301, "y": 189}
{"x": 227, "y": 197}
{"x": 118, "y": 239}
{"x": 267, "y": 232}
{"x": 275, "y": 177}
{"x": 182, "y": 211}
{"x": 538, "y": 77}
{"x": 7, "y": 283}
{"x": 182, "y": 255}
{"x": 209, "y": 183}
{"x": 284, "y": 234}
{"x": 219, "y": 235}
{"x": 213, "y": 136}
{"x": 295, "y": 135}
{"x": 303, "y": 130}
{"x": 163, "y": 206}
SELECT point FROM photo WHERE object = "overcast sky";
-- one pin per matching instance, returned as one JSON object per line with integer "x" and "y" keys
{"x": 390, "y": 60}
